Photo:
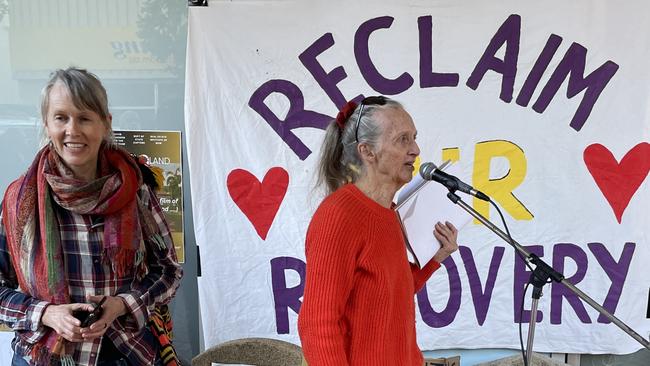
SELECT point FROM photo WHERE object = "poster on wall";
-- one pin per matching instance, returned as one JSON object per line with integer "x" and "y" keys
{"x": 541, "y": 105}
{"x": 163, "y": 150}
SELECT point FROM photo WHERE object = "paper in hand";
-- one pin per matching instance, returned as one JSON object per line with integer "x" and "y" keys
{"x": 421, "y": 204}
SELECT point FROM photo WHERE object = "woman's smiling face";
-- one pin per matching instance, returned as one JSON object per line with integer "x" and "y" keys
{"x": 76, "y": 134}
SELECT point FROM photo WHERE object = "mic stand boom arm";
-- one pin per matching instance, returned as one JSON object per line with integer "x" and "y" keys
{"x": 540, "y": 276}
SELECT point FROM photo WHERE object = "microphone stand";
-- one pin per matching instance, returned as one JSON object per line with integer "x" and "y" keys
{"x": 539, "y": 277}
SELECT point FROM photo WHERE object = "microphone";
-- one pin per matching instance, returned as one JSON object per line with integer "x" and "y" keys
{"x": 429, "y": 171}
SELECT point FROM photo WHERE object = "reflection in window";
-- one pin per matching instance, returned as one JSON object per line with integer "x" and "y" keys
{"x": 136, "y": 47}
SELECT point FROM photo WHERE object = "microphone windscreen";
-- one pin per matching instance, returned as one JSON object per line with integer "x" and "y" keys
{"x": 427, "y": 169}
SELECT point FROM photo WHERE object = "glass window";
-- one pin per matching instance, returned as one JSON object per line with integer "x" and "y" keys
{"x": 136, "y": 47}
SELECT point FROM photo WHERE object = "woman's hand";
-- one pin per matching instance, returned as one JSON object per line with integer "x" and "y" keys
{"x": 113, "y": 308}
{"x": 60, "y": 318}
{"x": 447, "y": 235}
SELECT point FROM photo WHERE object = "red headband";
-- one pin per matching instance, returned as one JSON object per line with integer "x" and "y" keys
{"x": 345, "y": 113}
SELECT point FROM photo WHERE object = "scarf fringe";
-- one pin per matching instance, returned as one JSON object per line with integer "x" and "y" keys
{"x": 40, "y": 354}
{"x": 158, "y": 240}
{"x": 141, "y": 268}
{"x": 67, "y": 360}
{"x": 121, "y": 259}
{"x": 139, "y": 257}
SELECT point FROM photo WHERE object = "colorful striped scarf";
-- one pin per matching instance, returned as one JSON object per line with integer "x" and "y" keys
{"x": 33, "y": 235}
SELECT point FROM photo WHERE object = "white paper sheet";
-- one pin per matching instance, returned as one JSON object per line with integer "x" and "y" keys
{"x": 421, "y": 204}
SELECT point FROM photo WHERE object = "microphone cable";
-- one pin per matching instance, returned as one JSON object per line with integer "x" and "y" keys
{"x": 521, "y": 310}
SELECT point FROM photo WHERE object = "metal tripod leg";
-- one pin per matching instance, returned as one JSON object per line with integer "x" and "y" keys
{"x": 531, "y": 330}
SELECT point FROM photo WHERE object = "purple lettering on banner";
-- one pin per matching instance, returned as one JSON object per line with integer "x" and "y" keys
{"x": 368, "y": 70}
{"x": 507, "y": 34}
{"x": 616, "y": 271}
{"x": 445, "y": 317}
{"x": 326, "y": 81}
{"x": 521, "y": 275}
{"x": 538, "y": 69}
{"x": 428, "y": 78}
{"x": 283, "y": 296}
{"x": 296, "y": 117}
{"x": 573, "y": 64}
{"x": 559, "y": 291}
{"x": 480, "y": 297}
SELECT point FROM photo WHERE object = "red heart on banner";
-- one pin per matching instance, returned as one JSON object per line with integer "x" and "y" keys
{"x": 618, "y": 181}
{"x": 258, "y": 201}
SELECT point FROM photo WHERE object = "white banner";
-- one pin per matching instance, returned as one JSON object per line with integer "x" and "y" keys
{"x": 543, "y": 105}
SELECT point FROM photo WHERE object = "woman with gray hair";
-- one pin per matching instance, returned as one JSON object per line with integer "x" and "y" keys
{"x": 86, "y": 257}
{"x": 358, "y": 304}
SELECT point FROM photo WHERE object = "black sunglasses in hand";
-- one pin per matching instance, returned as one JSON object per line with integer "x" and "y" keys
{"x": 89, "y": 317}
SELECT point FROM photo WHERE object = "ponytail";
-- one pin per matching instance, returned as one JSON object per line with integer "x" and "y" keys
{"x": 331, "y": 172}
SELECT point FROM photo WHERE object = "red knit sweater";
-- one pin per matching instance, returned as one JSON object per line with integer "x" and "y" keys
{"x": 358, "y": 306}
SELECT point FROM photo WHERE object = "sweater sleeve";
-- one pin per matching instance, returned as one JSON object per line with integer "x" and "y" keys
{"x": 332, "y": 250}
{"x": 421, "y": 275}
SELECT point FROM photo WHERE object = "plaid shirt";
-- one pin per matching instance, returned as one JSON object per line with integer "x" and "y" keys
{"x": 89, "y": 273}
